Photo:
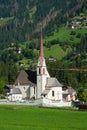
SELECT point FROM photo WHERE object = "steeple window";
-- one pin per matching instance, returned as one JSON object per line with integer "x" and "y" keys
{"x": 39, "y": 70}
{"x": 43, "y": 70}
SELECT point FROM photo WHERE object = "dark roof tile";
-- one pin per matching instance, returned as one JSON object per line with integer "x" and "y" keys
{"x": 26, "y": 77}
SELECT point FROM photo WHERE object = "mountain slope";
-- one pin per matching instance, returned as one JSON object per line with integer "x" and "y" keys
{"x": 29, "y": 15}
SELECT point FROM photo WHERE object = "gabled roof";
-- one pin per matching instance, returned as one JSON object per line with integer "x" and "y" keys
{"x": 53, "y": 82}
{"x": 10, "y": 86}
{"x": 31, "y": 76}
{"x": 16, "y": 91}
{"x": 26, "y": 77}
{"x": 46, "y": 91}
{"x": 69, "y": 91}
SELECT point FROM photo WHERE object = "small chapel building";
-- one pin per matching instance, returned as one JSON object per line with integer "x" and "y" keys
{"x": 39, "y": 84}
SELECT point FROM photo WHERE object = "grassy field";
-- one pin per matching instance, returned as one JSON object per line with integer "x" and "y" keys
{"x": 29, "y": 118}
{"x": 5, "y": 20}
{"x": 64, "y": 35}
{"x": 55, "y": 51}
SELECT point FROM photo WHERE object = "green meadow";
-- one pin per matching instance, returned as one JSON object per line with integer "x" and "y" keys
{"x": 5, "y": 20}
{"x": 14, "y": 117}
{"x": 56, "y": 51}
{"x": 64, "y": 35}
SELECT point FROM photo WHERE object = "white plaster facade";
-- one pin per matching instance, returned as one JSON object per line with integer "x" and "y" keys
{"x": 28, "y": 92}
{"x": 24, "y": 90}
{"x": 42, "y": 75}
{"x": 15, "y": 97}
{"x": 54, "y": 94}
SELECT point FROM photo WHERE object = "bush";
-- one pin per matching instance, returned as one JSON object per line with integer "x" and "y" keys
{"x": 72, "y": 33}
{"x": 78, "y": 35}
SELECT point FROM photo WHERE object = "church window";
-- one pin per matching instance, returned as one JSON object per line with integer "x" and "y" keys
{"x": 43, "y": 70}
{"x": 53, "y": 93}
{"x": 34, "y": 90}
{"x": 39, "y": 70}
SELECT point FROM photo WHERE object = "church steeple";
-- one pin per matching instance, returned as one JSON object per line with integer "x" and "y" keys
{"x": 42, "y": 73}
{"x": 41, "y": 56}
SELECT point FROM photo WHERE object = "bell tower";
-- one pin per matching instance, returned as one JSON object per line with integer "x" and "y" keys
{"x": 42, "y": 72}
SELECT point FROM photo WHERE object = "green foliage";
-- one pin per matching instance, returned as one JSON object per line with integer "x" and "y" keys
{"x": 79, "y": 93}
{"x": 67, "y": 74}
{"x": 20, "y": 19}
{"x": 2, "y": 84}
{"x": 65, "y": 35}
{"x": 19, "y": 22}
{"x": 8, "y": 74}
{"x": 82, "y": 47}
{"x": 82, "y": 94}
{"x": 55, "y": 51}
{"x": 6, "y": 20}
{"x": 23, "y": 117}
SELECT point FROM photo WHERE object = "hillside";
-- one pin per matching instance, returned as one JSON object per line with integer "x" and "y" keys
{"x": 20, "y": 20}
{"x": 64, "y": 26}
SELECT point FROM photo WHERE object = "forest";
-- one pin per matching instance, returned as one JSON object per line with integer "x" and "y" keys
{"x": 20, "y": 23}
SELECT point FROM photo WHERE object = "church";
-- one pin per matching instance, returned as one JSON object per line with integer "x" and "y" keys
{"x": 39, "y": 85}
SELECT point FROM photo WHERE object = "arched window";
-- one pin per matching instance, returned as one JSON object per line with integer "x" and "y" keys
{"x": 34, "y": 90}
{"x": 39, "y": 70}
{"x": 43, "y": 70}
{"x": 53, "y": 93}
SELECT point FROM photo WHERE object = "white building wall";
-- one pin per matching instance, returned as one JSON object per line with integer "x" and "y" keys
{"x": 24, "y": 90}
{"x": 15, "y": 97}
{"x": 57, "y": 94}
{"x": 50, "y": 103}
{"x": 39, "y": 87}
{"x": 42, "y": 75}
{"x": 32, "y": 92}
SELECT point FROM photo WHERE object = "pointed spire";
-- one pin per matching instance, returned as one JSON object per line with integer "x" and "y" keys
{"x": 41, "y": 45}
{"x": 41, "y": 48}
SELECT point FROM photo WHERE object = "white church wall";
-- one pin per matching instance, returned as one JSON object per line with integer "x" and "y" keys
{"x": 42, "y": 75}
{"x": 39, "y": 87}
{"x": 15, "y": 97}
{"x": 49, "y": 103}
{"x": 32, "y": 92}
{"x": 55, "y": 93}
{"x": 24, "y": 90}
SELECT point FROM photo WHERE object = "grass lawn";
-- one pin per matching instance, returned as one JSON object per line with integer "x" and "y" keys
{"x": 56, "y": 51}
{"x": 29, "y": 118}
{"x": 64, "y": 35}
{"x": 5, "y": 20}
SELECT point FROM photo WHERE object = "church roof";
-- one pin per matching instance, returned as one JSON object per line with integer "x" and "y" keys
{"x": 31, "y": 76}
{"x": 26, "y": 77}
{"x": 53, "y": 82}
{"x": 69, "y": 91}
{"x": 16, "y": 91}
{"x": 8, "y": 86}
{"x": 46, "y": 91}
